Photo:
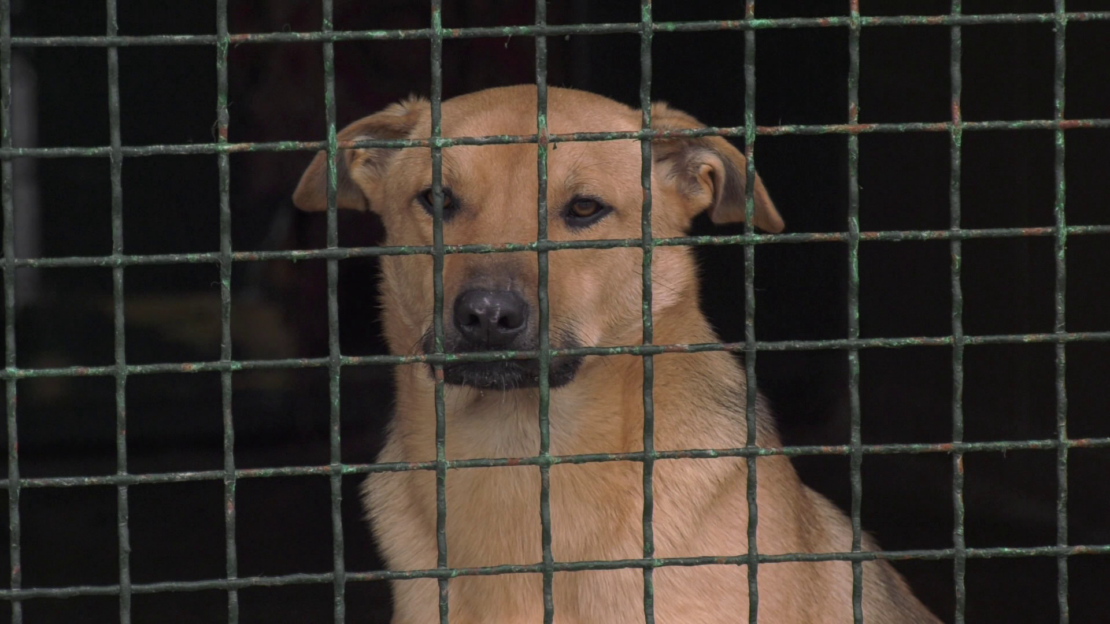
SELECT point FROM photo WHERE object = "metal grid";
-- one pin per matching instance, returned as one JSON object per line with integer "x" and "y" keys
{"x": 335, "y": 361}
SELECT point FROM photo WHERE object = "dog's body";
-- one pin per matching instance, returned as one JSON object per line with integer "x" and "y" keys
{"x": 493, "y": 514}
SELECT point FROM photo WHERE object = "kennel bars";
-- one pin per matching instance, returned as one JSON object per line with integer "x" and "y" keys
{"x": 118, "y": 261}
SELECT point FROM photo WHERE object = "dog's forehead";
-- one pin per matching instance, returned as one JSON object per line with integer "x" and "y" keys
{"x": 571, "y": 164}
{"x": 513, "y": 111}
{"x": 504, "y": 174}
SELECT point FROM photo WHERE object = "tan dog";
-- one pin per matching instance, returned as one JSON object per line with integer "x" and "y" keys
{"x": 493, "y": 514}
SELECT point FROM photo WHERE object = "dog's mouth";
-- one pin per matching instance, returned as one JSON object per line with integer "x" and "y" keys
{"x": 510, "y": 374}
{"x": 507, "y": 374}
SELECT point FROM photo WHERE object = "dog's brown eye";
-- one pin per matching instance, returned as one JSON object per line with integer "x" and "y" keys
{"x": 584, "y": 211}
{"x": 583, "y": 208}
{"x": 427, "y": 201}
{"x": 429, "y": 198}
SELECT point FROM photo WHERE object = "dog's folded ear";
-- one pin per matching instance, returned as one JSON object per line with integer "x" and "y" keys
{"x": 359, "y": 171}
{"x": 708, "y": 172}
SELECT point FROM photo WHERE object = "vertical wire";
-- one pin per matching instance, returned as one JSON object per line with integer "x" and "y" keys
{"x": 752, "y": 424}
{"x": 959, "y": 561}
{"x": 334, "y": 356}
{"x": 222, "y": 121}
{"x": 437, "y": 316}
{"x": 648, "y": 329}
{"x": 545, "y": 321}
{"x": 116, "y": 163}
{"x": 1060, "y": 325}
{"x": 6, "y": 192}
{"x": 856, "y": 457}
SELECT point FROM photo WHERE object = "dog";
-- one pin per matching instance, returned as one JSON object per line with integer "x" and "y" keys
{"x": 596, "y": 402}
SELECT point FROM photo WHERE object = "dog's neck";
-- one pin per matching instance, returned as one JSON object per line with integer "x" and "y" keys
{"x": 601, "y": 411}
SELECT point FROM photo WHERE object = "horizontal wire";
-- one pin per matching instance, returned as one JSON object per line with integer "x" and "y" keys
{"x": 551, "y": 460}
{"x": 570, "y": 566}
{"x": 497, "y": 356}
{"x": 556, "y": 30}
{"x": 345, "y": 253}
{"x": 190, "y": 149}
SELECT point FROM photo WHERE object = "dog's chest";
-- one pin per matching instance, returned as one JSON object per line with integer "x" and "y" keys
{"x": 494, "y": 514}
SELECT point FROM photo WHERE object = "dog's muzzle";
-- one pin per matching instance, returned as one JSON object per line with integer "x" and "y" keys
{"x": 499, "y": 320}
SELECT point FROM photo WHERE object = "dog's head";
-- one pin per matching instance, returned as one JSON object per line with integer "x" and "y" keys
{"x": 490, "y": 197}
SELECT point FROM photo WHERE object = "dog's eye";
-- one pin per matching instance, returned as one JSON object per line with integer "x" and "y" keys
{"x": 584, "y": 211}
{"x": 584, "y": 208}
{"x": 427, "y": 201}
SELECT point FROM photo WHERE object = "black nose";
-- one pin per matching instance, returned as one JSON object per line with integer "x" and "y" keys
{"x": 490, "y": 317}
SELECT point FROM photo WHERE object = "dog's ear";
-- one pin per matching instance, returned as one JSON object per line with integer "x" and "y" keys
{"x": 359, "y": 172}
{"x": 709, "y": 172}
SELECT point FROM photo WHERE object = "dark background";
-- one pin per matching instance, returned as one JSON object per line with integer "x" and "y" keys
{"x": 168, "y": 95}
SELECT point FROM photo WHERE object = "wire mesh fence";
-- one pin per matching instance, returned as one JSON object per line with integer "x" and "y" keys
{"x": 855, "y": 23}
